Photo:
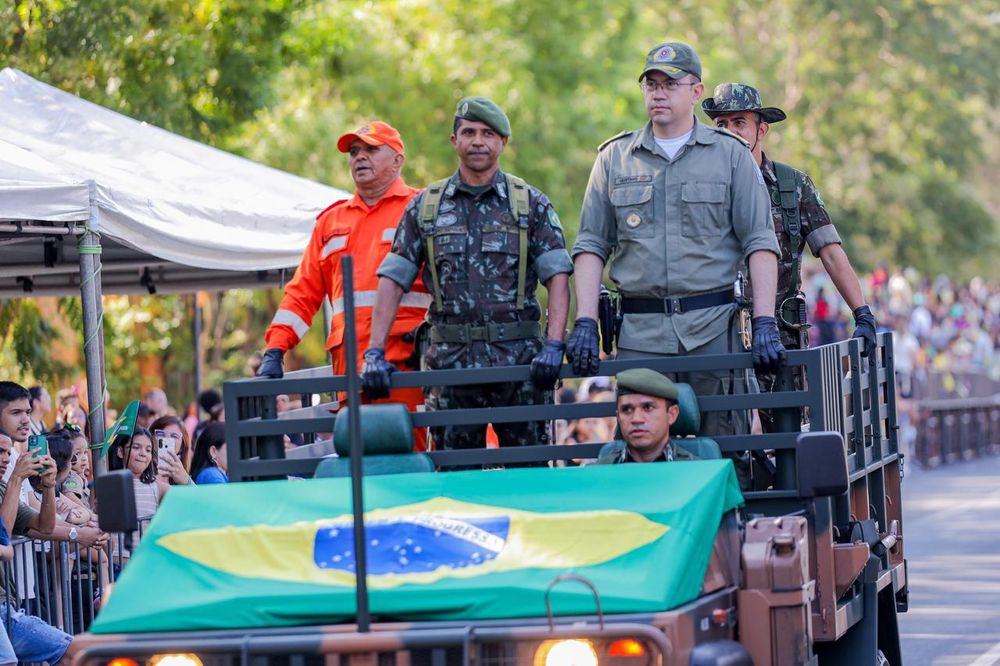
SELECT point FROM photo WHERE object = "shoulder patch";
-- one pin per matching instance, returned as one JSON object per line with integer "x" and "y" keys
{"x": 725, "y": 132}
{"x": 620, "y": 135}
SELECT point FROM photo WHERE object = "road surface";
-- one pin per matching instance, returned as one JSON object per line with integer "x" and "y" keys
{"x": 952, "y": 538}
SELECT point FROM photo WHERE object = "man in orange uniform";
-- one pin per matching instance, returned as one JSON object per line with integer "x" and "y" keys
{"x": 362, "y": 226}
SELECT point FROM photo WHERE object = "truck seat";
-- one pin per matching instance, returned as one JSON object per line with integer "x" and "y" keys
{"x": 683, "y": 433}
{"x": 387, "y": 435}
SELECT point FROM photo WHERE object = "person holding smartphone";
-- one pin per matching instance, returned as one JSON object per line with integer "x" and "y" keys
{"x": 173, "y": 449}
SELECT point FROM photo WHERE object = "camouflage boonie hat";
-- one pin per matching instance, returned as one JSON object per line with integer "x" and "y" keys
{"x": 733, "y": 97}
{"x": 675, "y": 59}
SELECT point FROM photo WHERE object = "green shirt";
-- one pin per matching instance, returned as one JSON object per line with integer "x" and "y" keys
{"x": 675, "y": 228}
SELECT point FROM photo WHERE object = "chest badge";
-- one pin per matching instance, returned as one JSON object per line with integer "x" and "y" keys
{"x": 633, "y": 220}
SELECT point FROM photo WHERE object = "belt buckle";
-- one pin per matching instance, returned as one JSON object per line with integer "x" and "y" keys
{"x": 675, "y": 305}
{"x": 465, "y": 334}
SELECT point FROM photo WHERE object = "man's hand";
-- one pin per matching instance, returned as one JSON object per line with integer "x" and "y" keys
{"x": 582, "y": 347}
{"x": 375, "y": 374}
{"x": 272, "y": 365}
{"x": 865, "y": 327}
{"x": 768, "y": 352}
{"x": 546, "y": 364}
{"x": 26, "y": 466}
{"x": 91, "y": 537}
{"x": 48, "y": 471}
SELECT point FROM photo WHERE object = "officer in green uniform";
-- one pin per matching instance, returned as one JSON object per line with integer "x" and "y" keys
{"x": 677, "y": 207}
{"x": 484, "y": 239}
{"x": 799, "y": 216}
{"x": 647, "y": 407}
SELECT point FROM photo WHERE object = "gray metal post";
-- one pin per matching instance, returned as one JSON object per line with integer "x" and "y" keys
{"x": 357, "y": 448}
{"x": 93, "y": 329}
{"x": 196, "y": 335}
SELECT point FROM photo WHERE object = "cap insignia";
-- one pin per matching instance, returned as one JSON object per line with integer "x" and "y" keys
{"x": 666, "y": 54}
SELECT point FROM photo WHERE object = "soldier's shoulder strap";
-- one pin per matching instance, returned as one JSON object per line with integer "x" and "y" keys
{"x": 517, "y": 198}
{"x": 788, "y": 189}
{"x": 432, "y": 202}
{"x": 428, "y": 215}
{"x": 788, "y": 194}
{"x": 616, "y": 137}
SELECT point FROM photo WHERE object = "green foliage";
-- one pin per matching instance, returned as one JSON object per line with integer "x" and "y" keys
{"x": 890, "y": 110}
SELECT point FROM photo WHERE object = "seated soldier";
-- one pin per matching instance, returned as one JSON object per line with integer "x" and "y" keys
{"x": 647, "y": 407}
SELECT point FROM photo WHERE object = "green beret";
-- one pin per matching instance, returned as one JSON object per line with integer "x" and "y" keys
{"x": 646, "y": 382}
{"x": 483, "y": 110}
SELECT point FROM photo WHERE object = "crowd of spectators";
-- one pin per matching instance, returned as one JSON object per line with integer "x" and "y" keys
{"x": 940, "y": 326}
{"x": 46, "y": 495}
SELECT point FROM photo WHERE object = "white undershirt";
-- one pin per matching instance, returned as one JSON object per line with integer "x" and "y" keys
{"x": 672, "y": 146}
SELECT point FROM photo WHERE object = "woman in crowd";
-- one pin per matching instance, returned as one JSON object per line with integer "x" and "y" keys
{"x": 209, "y": 462}
{"x": 171, "y": 428}
{"x": 76, "y": 484}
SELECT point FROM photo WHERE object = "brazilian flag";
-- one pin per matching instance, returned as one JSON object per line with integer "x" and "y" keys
{"x": 440, "y": 546}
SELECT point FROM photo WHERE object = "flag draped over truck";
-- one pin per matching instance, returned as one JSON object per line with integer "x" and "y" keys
{"x": 440, "y": 546}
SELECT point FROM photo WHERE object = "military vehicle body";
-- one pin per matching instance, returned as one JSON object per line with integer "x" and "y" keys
{"x": 808, "y": 571}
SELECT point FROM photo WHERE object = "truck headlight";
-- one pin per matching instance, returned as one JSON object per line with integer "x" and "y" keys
{"x": 175, "y": 660}
{"x": 573, "y": 652}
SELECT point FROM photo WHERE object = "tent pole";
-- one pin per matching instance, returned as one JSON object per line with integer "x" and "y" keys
{"x": 196, "y": 324}
{"x": 93, "y": 329}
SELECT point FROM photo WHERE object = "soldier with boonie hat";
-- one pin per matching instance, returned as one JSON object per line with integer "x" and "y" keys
{"x": 800, "y": 219}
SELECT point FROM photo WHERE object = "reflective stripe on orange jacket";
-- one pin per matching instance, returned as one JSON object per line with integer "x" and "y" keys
{"x": 349, "y": 227}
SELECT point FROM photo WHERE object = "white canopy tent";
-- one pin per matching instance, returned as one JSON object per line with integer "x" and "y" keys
{"x": 88, "y": 193}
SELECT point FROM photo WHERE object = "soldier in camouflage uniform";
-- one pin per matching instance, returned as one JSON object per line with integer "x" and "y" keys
{"x": 799, "y": 215}
{"x": 484, "y": 239}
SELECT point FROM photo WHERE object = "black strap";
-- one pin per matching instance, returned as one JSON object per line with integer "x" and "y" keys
{"x": 788, "y": 193}
{"x": 632, "y": 305}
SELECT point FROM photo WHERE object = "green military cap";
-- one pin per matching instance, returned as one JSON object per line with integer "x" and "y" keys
{"x": 733, "y": 97}
{"x": 484, "y": 110}
{"x": 646, "y": 382}
{"x": 675, "y": 59}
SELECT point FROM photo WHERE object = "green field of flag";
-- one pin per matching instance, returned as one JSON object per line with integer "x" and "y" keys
{"x": 459, "y": 545}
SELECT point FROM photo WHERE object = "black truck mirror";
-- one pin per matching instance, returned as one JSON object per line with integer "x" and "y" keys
{"x": 116, "y": 502}
{"x": 821, "y": 464}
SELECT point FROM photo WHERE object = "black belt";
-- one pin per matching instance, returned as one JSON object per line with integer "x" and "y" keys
{"x": 492, "y": 332}
{"x": 632, "y": 305}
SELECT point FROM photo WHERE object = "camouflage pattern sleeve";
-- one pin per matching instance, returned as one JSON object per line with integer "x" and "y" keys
{"x": 817, "y": 227}
{"x": 406, "y": 257}
{"x": 546, "y": 244}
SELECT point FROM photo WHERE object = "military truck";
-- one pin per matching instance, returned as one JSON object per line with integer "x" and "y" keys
{"x": 518, "y": 560}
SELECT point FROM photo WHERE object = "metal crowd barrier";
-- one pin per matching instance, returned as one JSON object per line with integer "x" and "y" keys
{"x": 954, "y": 430}
{"x": 64, "y": 583}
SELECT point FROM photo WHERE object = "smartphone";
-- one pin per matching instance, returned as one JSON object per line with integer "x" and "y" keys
{"x": 38, "y": 445}
{"x": 164, "y": 447}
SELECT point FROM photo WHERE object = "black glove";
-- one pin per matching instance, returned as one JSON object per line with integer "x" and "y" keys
{"x": 546, "y": 365}
{"x": 768, "y": 352}
{"x": 582, "y": 347}
{"x": 864, "y": 328}
{"x": 272, "y": 365}
{"x": 375, "y": 374}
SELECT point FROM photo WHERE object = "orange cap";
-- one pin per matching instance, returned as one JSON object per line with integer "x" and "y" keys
{"x": 374, "y": 133}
